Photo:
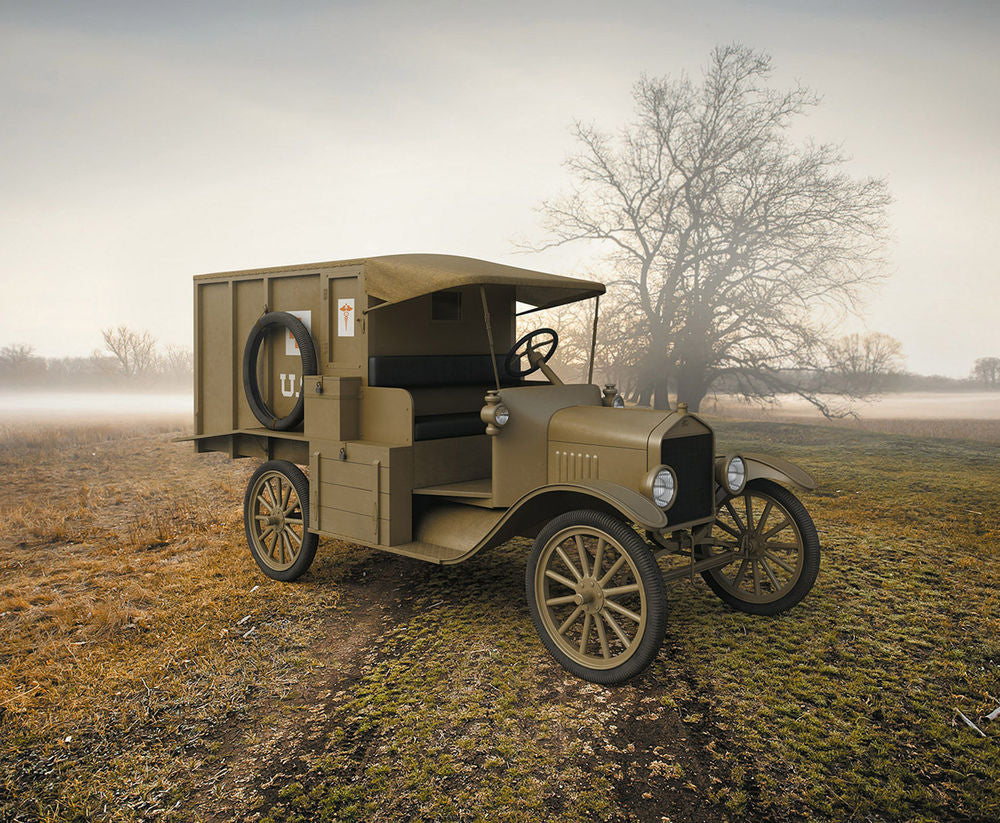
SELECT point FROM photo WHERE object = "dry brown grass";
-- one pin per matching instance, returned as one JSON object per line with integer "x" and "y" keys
{"x": 124, "y": 579}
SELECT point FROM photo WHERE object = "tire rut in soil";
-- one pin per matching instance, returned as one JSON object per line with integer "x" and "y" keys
{"x": 681, "y": 742}
{"x": 368, "y": 609}
{"x": 698, "y": 735}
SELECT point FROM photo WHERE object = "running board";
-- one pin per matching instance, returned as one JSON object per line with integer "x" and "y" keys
{"x": 430, "y": 552}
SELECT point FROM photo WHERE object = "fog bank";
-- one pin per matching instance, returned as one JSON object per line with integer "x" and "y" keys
{"x": 35, "y": 406}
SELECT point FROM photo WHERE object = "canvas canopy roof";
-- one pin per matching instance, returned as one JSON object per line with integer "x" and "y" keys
{"x": 394, "y": 278}
{"x": 398, "y": 277}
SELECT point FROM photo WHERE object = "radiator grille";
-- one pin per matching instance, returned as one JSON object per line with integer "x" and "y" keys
{"x": 692, "y": 459}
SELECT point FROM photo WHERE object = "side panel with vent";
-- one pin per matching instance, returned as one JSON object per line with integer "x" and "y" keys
{"x": 580, "y": 461}
{"x": 572, "y": 463}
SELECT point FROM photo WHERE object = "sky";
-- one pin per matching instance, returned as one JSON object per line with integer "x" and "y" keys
{"x": 144, "y": 143}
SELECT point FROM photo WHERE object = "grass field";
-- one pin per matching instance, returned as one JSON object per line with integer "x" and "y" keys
{"x": 148, "y": 671}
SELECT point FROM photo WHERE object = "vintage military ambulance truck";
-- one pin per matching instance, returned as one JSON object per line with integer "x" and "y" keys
{"x": 391, "y": 407}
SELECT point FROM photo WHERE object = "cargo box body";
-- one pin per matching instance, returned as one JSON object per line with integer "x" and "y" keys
{"x": 226, "y": 308}
{"x": 352, "y": 479}
{"x": 391, "y": 425}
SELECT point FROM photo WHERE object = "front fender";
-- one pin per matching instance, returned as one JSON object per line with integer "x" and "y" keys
{"x": 469, "y": 529}
{"x": 530, "y": 514}
{"x": 634, "y": 507}
{"x": 774, "y": 468}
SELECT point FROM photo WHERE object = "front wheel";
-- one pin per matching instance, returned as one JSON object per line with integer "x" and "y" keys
{"x": 777, "y": 550}
{"x": 596, "y": 596}
{"x": 276, "y": 520}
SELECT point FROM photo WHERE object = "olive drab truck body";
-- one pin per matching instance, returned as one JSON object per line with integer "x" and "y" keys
{"x": 392, "y": 407}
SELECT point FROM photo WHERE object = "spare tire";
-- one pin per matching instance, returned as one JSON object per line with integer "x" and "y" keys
{"x": 307, "y": 351}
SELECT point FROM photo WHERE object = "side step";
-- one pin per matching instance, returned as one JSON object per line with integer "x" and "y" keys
{"x": 481, "y": 489}
{"x": 429, "y": 552}
{"x": 451, "y": 532}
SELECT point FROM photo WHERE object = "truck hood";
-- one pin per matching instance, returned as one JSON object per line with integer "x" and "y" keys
{"x": 607, "y": 426}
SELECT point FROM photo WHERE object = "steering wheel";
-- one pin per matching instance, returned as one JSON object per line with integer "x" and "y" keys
{"x": 525, "y": 346}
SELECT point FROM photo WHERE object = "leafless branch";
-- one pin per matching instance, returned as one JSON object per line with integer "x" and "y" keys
{"x": 729, "y": 242}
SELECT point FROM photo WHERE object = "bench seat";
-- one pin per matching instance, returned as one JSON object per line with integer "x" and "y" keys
{"x": 436, "y": 426}
{"x": 416, "y": 371}
{"x": 439, "y": 371}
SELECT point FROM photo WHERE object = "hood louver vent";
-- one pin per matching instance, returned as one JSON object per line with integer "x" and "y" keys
{"x": 575, "y": 466}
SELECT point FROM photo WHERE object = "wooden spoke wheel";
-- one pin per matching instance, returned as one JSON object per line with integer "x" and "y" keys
{"x": 596, "y": 596}
{"x": 276, "y": 519}
{"x": 777, "y": 549}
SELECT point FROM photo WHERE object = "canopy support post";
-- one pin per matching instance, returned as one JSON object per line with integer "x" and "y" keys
{"x": 489, "y": 335}
{"x": 593, "y": 340}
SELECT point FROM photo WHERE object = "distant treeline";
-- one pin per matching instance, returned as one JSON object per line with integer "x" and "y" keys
{"x": 935, "y": 382}
{"x": 846, "y": 384}
{"x": 853, "y": 366}
{"x": 858, "y": 367}
{"x": 852, "y": 384}
{"x": 130, "y": 360}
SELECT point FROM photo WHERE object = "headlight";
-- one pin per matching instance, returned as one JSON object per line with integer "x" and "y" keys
{"x": 736, "y": 475}
{"x": 501, "y": 415}
{"x": 611, "y": 398}
{"x": 661, "y": 485}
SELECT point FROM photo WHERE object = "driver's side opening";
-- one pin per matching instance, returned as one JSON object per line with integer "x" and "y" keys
{"x": 436, "y": 347}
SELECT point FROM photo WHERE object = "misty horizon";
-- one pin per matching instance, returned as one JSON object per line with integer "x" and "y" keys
{"x": 150, "y": 147}
{"x": 112, "y": 403}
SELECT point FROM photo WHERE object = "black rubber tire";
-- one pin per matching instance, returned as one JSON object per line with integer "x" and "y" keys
{"x": 309, "y": 541}
{"x": 810, "y": 561}
{"x": 651, "y": 578}
{"x": 307, "y": 351}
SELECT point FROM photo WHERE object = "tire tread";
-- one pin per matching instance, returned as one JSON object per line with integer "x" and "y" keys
{"x": 309, "y": 540}
{"x": 649, "y": 572}
{"x": 811, "y": 549}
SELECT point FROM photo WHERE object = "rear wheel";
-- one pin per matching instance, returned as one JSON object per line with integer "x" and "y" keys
{"x": 777, "y": 546}
{"x": 596, "y": 596}
{"x": 276, "y": 520}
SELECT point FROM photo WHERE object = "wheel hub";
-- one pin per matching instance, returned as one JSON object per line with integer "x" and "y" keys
{"x": 590, "y": 595}
{"x": 752, "y": 546}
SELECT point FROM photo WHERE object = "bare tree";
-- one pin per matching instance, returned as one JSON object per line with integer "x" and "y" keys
{"x": 177, "y": 363}
{"x": 864, "y": 362}
{"x": 17, "y": 355}
{"x": 737, "y": 250}
{"x": 19, "y": 362}
{"x": 986, "y": 370}
{"x": 134, "y": 352}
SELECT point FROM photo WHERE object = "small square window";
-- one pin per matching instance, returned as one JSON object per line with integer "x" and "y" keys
{"x": 446, "y": 306}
